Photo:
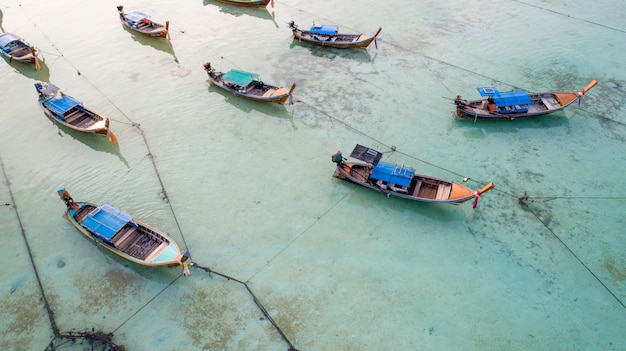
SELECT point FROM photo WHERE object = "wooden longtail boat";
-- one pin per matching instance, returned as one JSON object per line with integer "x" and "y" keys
{"x": 122, "y": 234}
{"x": 68, "y": 111}
{"x": 140, "y": 22}
{"x": 514, "y": 104}
{"x": 12, "y": 47}
{"x": 326, "y": 35}
{"x": 248, "y": 85}
{"x": 248, "y": 3}
{"x": 400, "y": 180}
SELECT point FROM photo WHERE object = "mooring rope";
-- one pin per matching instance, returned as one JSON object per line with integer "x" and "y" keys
{"x": 93, "y": 335}
{"x": 53, "y": 324}
{"x": 572, "y": 17}
{"x": 524, "y": 202}
{"x": 254, "y": 298}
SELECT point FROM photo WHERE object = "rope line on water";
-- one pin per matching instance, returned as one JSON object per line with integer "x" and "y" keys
{"x": 99, "y": 335}
{"x": 568, "y": 16}
{"x": 254, "y": 298}
{"x": 524, "y": 203}
{"x": 53, "y": 324}
{"x": 92, "y": 335}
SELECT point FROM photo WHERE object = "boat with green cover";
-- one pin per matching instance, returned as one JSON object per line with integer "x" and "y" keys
{"x": 248, "y": 85}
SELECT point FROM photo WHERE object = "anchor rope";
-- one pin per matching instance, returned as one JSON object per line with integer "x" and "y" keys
{"x": 523, "y": 201}
{"x": 572, "y": 17}
{"x": 93, "y": 335}
{"x": 257, "y": 302}
{"x": 53, "y": 324}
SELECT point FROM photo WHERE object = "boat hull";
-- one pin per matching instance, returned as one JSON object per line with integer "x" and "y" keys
{"x": 69, "y": 112}
{"x": 173, "y": 254}
{"x": 99, "y": 128}
{"x": 423, "y": 188}
{"x": 266, "y": 93}
{"x": 339, "y": 41}
{"x": 147, "y": 28}
{"x": 540, "y": 104}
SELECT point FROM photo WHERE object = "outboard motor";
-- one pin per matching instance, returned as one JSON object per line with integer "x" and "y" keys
{"x": 337, "y": 157}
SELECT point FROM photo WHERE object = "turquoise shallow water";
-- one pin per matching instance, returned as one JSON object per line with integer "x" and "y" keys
{"x": 251, "y": 194}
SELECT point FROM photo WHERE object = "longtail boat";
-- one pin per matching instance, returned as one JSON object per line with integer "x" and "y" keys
{"x": 68, "y": 111}
{"x": 122, "y": 234}
{"x": 14, "y": 48}
{"x": 400, "y": 180}
{"x": 248, "y": 85}
{"x": 509, "y": 105}
{"x": 326, "y": 35}
{"x": 248, "y": 3}
{"x": 141, "y": 23}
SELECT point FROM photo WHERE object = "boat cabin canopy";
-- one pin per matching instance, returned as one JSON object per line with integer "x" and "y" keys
{"x": 61, "y": 105}
{"x": 136, "y": 16}
{"x": 506, "y": 98}
{"x": 366, "y": 154}
{"x": 393, "y": 173}
{"x": 240, "y": 78}
{"x": 8, "y": 38}
{"x": 106, "y": 220}
{"x": 324, "y": 29}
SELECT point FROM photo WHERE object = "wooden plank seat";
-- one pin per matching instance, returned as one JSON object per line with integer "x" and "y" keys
{"x": 443, "y": 192}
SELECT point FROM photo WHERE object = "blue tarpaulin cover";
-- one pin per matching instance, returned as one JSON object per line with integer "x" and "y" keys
{"x": 507, "y": 98}
{"x": 393, "y": 173}
{"x": 62, "y": 104}
{"x": 106, "y": 220}
{"x": 240, "y": 78}
{"x": 6, "y": 38}
{"x": 324, "y": 29}
{"x": 136, "y": 16}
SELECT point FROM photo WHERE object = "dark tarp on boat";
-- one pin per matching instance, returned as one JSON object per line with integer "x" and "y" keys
{"x": 366, "y": 154}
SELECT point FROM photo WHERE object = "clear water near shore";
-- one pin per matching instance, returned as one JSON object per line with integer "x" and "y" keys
{"x": 251, "y": 194}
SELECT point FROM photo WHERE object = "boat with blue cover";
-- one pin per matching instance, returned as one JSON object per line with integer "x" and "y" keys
{"x": 14, "y": 48}
{"x": 122, "y": 234}
{"x": 400, "y": 180}
{"x": 141, "y": 23}
{"x": 68, "y": 111}
{"x": 328, "y": 35}
{"x": 509, "y": 105}
{"x": 248, "y": 85}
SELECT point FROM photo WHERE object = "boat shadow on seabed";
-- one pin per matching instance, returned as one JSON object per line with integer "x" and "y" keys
{"x": 96, "y": 142}
{"x": 156, "y": 43}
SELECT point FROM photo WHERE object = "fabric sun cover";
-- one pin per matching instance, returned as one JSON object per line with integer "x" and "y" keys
{"x": 324, "y": 29}
{"x": 392, "y": 173}
{"x": 240, "y": 78}
{"x": 6, "y": 38}
{"x": 106, "y": 220}
{"x": 136, "y": 16}
{"x": 506, "y": 98}
{"x": 62, "y": 104}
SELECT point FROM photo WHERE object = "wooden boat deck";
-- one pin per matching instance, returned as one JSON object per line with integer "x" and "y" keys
{"x": 80, "y": 118}
{"x": 139, "y": 242}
